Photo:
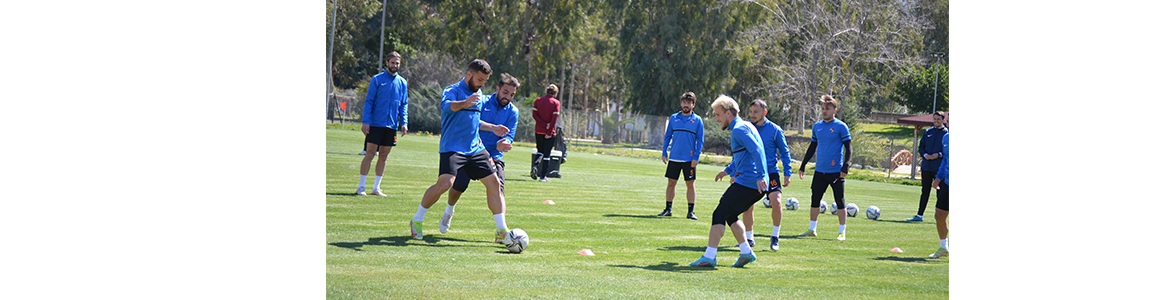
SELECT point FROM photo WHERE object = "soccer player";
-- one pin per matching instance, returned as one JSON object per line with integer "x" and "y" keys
{"x": 461, "y": 149}
{"x": 748, "y": 183}
{"x": 497, "y": 130}
{"x": 930, "y": 148}
{"x": 385, "y": 110}
{"x": 942, "y": 183}
{"x": 775, "y": 150}
{"x": 829, "y": 139}
{"x": 681, "y": 146}
{"x": 545, "y": 110}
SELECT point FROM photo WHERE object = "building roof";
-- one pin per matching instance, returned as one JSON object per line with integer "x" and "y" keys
{"x": 922, "y": 120}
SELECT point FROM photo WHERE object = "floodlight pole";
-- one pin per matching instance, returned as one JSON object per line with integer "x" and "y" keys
{"x": 329, "y": 78}
{"x": 382, "y": 41}
{"x": 938, "y": 57}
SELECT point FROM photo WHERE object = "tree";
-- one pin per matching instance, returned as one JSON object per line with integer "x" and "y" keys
{"x": 916, "y": 89}
{"x": 810, "y": 48}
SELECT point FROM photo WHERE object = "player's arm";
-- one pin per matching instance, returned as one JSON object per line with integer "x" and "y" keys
{"x": 698, "y": 142}
{"x": 808, "y": 154}
{"x": 922, "y": 147}
{"x": 469, "y": 102}
{"x": 848, "y": 145}
{"x": 403, "y": 111}
{"x": 666, "y": 139}
{"x": 511, "y": 124}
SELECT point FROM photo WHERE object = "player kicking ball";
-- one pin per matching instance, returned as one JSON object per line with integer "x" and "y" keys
{"x": 460, "y": 148}
{"x": 749, "y": 172}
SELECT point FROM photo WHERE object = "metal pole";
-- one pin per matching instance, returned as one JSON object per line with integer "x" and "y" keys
{"x": 329, "y": 80}
{"x": 938, "y": 57}
{"x": 382, "y": 41}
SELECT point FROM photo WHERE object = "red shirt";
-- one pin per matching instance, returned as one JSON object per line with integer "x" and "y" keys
{"x": 545, "y": 110}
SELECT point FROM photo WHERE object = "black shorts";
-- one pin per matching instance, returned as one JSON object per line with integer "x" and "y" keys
{"x": 476, "y": 166}
{"x": 382, "y": 136}
{"x": 674, "y": 167}
{"x": 944, "y": 197}
{"x": 736, "y": 200}
{"x": 821, "y": 182}
{"x": 461, "y": 179}
{"x": 774, "y": 183}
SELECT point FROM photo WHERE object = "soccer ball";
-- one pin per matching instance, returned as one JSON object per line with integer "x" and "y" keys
{"x": 767, "y": 203}
{"x": 791, "y": 204}
{"x": 851, "y": 210}
{"x": 824, "y": 207}
{"x": 873, "y": 212}
{"x": 833, "y": 209}
{"x": 516, "y": 240}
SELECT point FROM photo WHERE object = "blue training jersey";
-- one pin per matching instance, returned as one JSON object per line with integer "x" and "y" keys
{"x": 944, "y": 168}
{"x": 931, "y": 143}
{"x": 386, "y": 101}
{"x": 830, "y": 138}
{"x": 747, "y": 154}
{"x": 492, "y": 113}
{"x": 683, "y": 140}
{"x": 460, "y": 128}
{"x": 775, "y": 147}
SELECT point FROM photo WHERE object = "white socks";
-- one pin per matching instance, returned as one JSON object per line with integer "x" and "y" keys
{"x": 776, "y": 231}
{"x": 422, "y": 212}
{"x": 812, "y": 225}
{"x": 943, "y": 244}
{"x": 450, "y": 210}
{"x": 362, "y": 183}
{"x": 500, "y": 224}
{"x": 745, "y": 248}
{"x": 377, "y": 182}
{"x": 842, "y": 230}
{"x": 710, "y": 252}
{"x": 750, "y": 235}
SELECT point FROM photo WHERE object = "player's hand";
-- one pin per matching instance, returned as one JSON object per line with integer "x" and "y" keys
{"x": 762, "y": 185}
{"x": 664, "y": 160}
{"x": 786, "y": 181}
{"x": 473, "y": 99}
{"x": 548, "y": 136}
{"x": 503, "y": 146}
{"x": 402, "y": 130}
{"x": 843, "y": 175}
{"x": 719, "y": 176}
{"x": 801, "y": 174}
{"x": 365, "y": 129}
{"x": 500, "y": 130}
{"x": 694, "y": 163}
{"x": 934, "y": 183}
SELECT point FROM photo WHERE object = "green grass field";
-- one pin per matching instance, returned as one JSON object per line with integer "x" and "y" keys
{"x": 607, "y": 204}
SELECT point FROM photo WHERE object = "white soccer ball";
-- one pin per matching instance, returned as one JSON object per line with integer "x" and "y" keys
{"x": 791, "y": 204}
{"x": 873, "y": 212}
{"x": 516, "y": 240}
{"x": 851, "y": 209}
{"x": 833, "y": 208}
{"x": 767, "y": 202}
{"x": 824, "y": 207}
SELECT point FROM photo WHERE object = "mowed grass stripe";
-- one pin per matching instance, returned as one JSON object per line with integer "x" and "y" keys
{"x": 607, "y": 204}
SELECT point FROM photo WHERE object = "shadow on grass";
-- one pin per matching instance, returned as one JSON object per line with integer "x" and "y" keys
{"x": 909, "y": 259}
{"x": 632, "y": 216}
{"x": 668, "y": 267}
{"x": 403, "y": 241}
{"x": 904, "y": 222}
{"x": 696, "y": 248}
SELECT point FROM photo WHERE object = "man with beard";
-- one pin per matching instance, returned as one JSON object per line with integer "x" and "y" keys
{"x": 460, "y": 148}
{"x": 385, "y": 110}
{"x": 498, "y": 117}
{"x": 775, "y": 150}
{"x": 681, "y": 146}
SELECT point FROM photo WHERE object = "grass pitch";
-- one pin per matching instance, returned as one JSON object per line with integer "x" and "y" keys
{"x": 607, "y": 204}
